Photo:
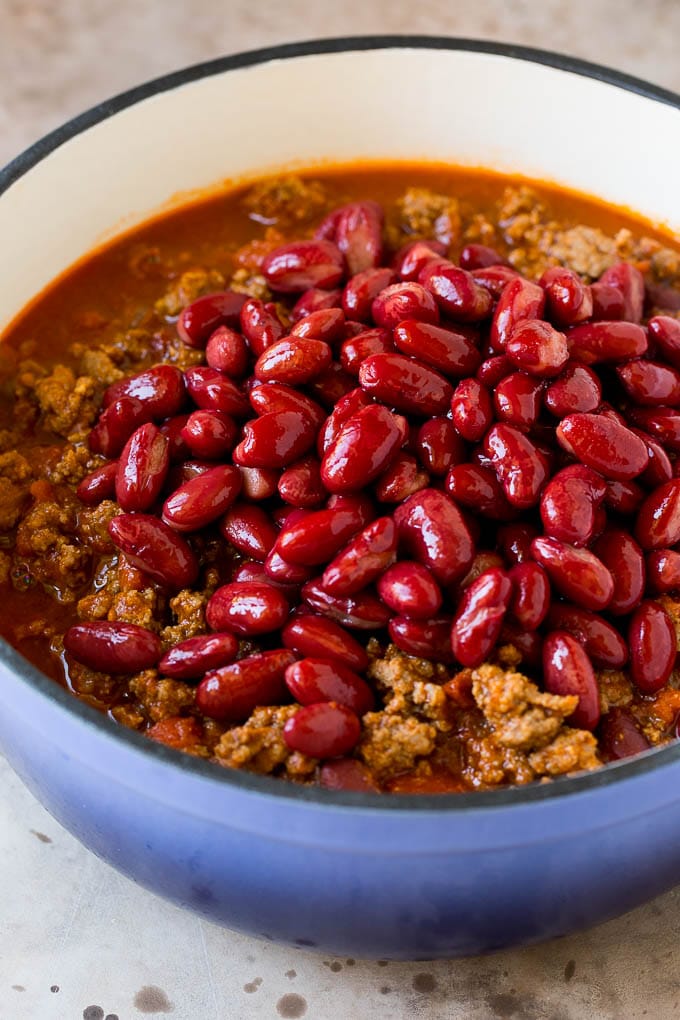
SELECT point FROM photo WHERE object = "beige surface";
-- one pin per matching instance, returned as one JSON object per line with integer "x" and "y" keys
{"x": 73, "y": 934}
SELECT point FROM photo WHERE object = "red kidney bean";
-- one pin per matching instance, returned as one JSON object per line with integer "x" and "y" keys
{"x": 659, "y": 468}
{"x": 363, "y": 560}
{"x": 601, "y": 443}
{"x": 285, "y": 573}
{"x": 568, "y": 299}
{"x": 658, "y": 520}
{"x": 414, "y": 256}
{"x": 478, "y": 488}
{"x": 250, "y": 529}
{"x": 247, "y": 608}
{"x": 362, "y": 611}
{"x": 409, "y": 589}
{"x": 483, "y": 561}
{"x": 116, "y": 424}
{"x": 519, "y": 300}
{"x": 347, "y": 774}
{"x": 160, "y": 389}
{"x": 628, "y": 279}
{"x": 332, "y": 385}
{"x": 325, "y": 730}
{"x": 661, "y": 422}
{"x": 300, "y": 484}
{"x": 258, "y": 483}
{"x": 272, "y": 397}
{"x": 181, "y": 473}
{"x": 227, "y": 351}
{"x": 449, "y": 352}
{"x": 663, "y": 571}
{"x": 99, "y": 485}
{"x": 319, "y": 536}
{"x": 231, "y": 693}
{"x": 517, "y": 400}
{"x": 514, "y": 541}
{"x": 653, "y": 647}
{"x": 202, "y": 499}
{"x": 665, "y": 334}
{"x": 209, "y": 434}
{"x": 359, "y": 504}
{"x": 171, "y": 428}
{"x": 362, "y": 289}
{"x": 212, "y": 391}
{"x": 622, "y": 556}
{"x": 620, "y": 736}
{"x": 567, "y": 671}
{"x": 402, "y": 478}
{"x": 479, "y": 256}
{"x": 569, "y": 502}
{"x": 327, "y": 324}
{"x": 354, "y": 351}
{"x": 576, "y": 390}
{"x": 608, "y": 302}
{"x": 297, "y": 266}
{"x": 537, "y": 348}
{"x": 314, "y": 680}
{"x": 364, "y": 447}
{"x": 426, "y": 639}
{"x": 439, "y": 446}
{"x": 602, "y": 643}
{"x": 155, "y": 548}
{"x": 529, "y": 643}
{"x": 479, "y": 618}
{"x": 576, "y": 573}
{"x": 293, "y": 361}
{"x": 319, "y": 637}
{"x": 142, "y": 468}
{"x": 495, "y": 278}
{"x": 434, "y": 532}
{"x": 402, "y": 301}
{"x": 190, "y": 659}
{"x": 356, "y": 228}
{"x": 275, "y": 440}
{"x": 471, "y": 410}
{"x": 650, "y": 384}
{"x": 345, "y": 409}
{"x": 456, "y": 292}
{"x": 198, "y": 320}
{"x": 596, "y": 342}
{"x": 406, "y": 384}
{"x": 520, "y": 469}
{"x": 494, "y": 369}
{"x": 531, "y": 595}
{"x": 261, "y": 327}
{"x": 113, "y": 647}
{"x": 315, "y": 300}
{"x": 623, "y": 498}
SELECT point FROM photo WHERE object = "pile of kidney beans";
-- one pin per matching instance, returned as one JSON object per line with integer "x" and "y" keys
{"x": 424, "y": 453}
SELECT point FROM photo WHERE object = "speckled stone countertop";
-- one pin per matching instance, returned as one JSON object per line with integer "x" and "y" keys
{"x": 76, "y": 939}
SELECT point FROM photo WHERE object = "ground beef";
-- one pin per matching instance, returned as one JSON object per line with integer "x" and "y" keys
{"x": 392, "y": 743}
{"x": 411, "y": 686}
{"x": 421, "y": 213}
{"x": 188, "y": 609}
{"x": 15, "y": 476}
{"x": 519, "y": 714}
{"x": 160, "y": 698}
{"x": 66, "y": 402}
{"x": 615, "y": 688}
{"x": 258, "y": 745}
{"x": 190, "y": 285}
{"x": 95, "y": 362}
{"x": 48, "y": 550}
{"x": 93, "y": 525}
{"x": 73, "y": 464}
{"x": 286, "y": 201}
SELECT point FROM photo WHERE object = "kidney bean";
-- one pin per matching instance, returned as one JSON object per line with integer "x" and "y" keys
{"x": 356, "y": 228}
{"x": 471, "y": 410}
{"x": 363, "y": 448}
{"x": 569, "y": 502}
{"x": 319, "y": 536}
{"x": 518, "y": 464}
{"x": 531, "y": 595}
{"x": 601, "y": 443}
{"x": 479, "y": 256}
{"x": 623, "y": 498}
{"x": 576, "y": 573}
{"x": 602, "y": 643}
{"x": 272, "y": 397}
{"x": 116, "y": 424}
{"x": 567, "y": 671}
{"x": 628, "y": 279}
{"x": 529, "y": 643}
{"x": 99, "y": 485}
{"x": 410, "y": 590}
{"x": 315, "y": 300}
{"x": 261, "y": 327}
{"x": 491, "y": 371}
{"x": 620, "y": 736}
{"x": 345, "y": 409}
{"x": 293, "y": 361}
{"x": 401, "y": 301}
{"x": 347, "y": 774}
{"x": 519, "y": 300}
{"x": 171, "y": 428}
{"x": 653, "y": 647}
{"x": 406, "y": 384}
{"x": 284, "y": 573}
{"x": 181, "y": 473}
{"x": 212, "y": 391}
{"x": 354, "y": 351}
{"x": 160, "y": 389}
{"x": 227, "y": 352}
{"x": 362, "y": 289}
{"x": 434, "y": 532}
{"x": 319, "y": 637}
{"x": 190, "y": 659}
{"x": 517, "y": 400}
{"x": 258, "y": 483}
{"x": 477, "y": 487}
{"x": 661, "y": 422}
{"x": 142, "y": 468}
{"x": 483, "y": 561}
{"x": 665, "y": 333}
{"x": 494, "y": 278}
{"x": 250, "y": 529}
{"x": 659, "y": 468}
{"x": 576, "y": 390}
{"x": 362, "y": 611}
{"x": 274, "y": 440}
{"x": 414, "y": 256}
{"x": 608, "y": 302}
{"x": 456, "y": 292}
{"x": 326, "y": 324}
{"x": 202, "y": 499}
{"x": 198, "y": 320}
{"x": 439, "y": 446}
{"x": 658, "y": 521}
{"x": 401, "y": 479}
{"x": 209, "y": 434}
{"x": 479, "y": 618}
{"x": 314, "y": 680}
{"x": 446, "y": 350}
{"x": 300, "y": 484}
{"x": 426, "y": 639}
{"x": 663, "y": 571}
{"x": 324, "y": 730}
{"x": 113, "y": 647}
{"x": 597, "y": 342}
{"x": 363, "y": 560}
{"x": 247, "y": 608}
{"x": 155, "y": 548}
{"x": 568, "y": 299}
{"x": 537, "y": 348}
{"x": 359, "y": 504}
{"x": 332, "y": 385}
{"x": 650, "y": 384}
{"x": 622, "y": 556}
{"x": 231, "y": 693}
{"x": 515, "y": 540}
{"x": 297, "y": 266}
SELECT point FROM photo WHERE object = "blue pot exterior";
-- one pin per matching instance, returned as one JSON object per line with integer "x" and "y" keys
{"x": 373, "y": 881}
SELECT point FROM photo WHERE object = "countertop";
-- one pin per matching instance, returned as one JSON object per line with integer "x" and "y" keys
{"x": 76, "y": 939}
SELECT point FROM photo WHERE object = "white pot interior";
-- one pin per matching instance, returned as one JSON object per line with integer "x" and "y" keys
{"x": 470, "y": 108}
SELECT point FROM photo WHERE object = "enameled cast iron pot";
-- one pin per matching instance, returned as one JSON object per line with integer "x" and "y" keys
{"x": 402, "y": 876}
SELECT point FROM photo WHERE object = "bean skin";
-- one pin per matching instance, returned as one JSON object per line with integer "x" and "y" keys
{"x": 567, "y": 671}
{"x": 620, "y": 736}
{"x": 407, "y": 384}
{"x": 433, "y": 530}
{"x": 231, "y": 693}
{"x": 603, "y": 644}
{"x": 319, "y": 536}
{"x": 521, "y": 471}
{"x": 364, "y": 447}
{"x": 363, "y": 560}
{"x": 576, "y": 573}
{"x": 658, "y": 519}
{"x": 653, "y": 647}
{"x": 202, "y": 499}
{"x": 426, "y": 639}
{"x": 113, "y": 647}
{"x": 297, "y": 266}
{"x": 324, "y": 730}
{"x": 316, "y": 636}
{"x": 311, "y": 681}
{"x": 247, "y": 608}
{"x": 274, "y": 440}
{"x": 190, "y": 659}
{"x": 409, "y": 589}
{"x": 622, "y": 556}
{"x": 479, "y": 619}
{"x": 604, "y": 445}
{"x": 155, "y": 548}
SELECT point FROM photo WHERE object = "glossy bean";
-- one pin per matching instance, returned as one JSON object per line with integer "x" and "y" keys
{"x": 576, "y": 390}
{"x": 603, "y": 644}
{"x": 567, "y": 671}
{"x": 155, "y": 548}
{"x": 576, "y": 573}
{"x": 275, "y": 440}
{"x": 604, "y": 445}
{"x": 142, "y": 469}
{"x": 405, "y": 383}
{"x": 319, "y": 637}
{"x": 653, "y": 647}
{"x": 231, "y": 693}
{"x": 362, "y": 450}
{"x": 363, "y": 560}
{"x": 203, "y": 499}
{"x": 426, "y": 639}
{"x": 297, "y": 266}
{"x": 324, "y": 730}
{"x": 190, "y": 659}
{"x": 314, "y": 680}
{"x": 434, "y": 532}
{"x": 479, "y": 618}
{"x": 409, "y": 589}
{"x": 113, "y": 647}
{"x": 622, "y": 556}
